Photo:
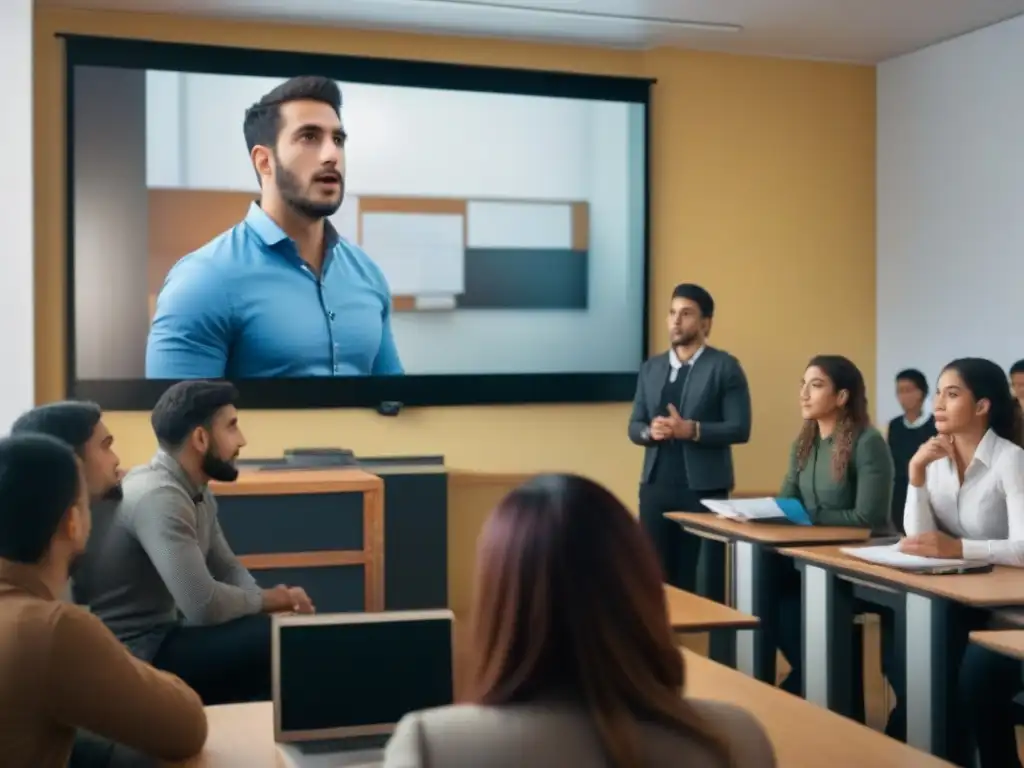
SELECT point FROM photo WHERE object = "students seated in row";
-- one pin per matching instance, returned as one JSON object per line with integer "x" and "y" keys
{"x": 159, "y": 571}
{"x": 840, "y": 469}
{"x": 574, "y": 660}
{"x": 966, "y": 500}
{"x": 60, "y": 668}
{"x": 907, "y": 433}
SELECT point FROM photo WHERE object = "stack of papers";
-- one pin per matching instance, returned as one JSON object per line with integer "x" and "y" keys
{"x": 753, "y": 510}
{"x": 890, "y": 555}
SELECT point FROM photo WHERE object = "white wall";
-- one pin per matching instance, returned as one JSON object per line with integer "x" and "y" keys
{"x": 951, "y": 205}
{"x": 421, "y": 142}
{"x": 17, "y": 321}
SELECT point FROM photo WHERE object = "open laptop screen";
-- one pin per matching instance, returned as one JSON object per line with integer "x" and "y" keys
{"x": 357, "y": 674}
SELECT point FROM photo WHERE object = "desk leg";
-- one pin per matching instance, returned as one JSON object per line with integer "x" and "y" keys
{"x": 934, "y": 649}
{"x": 753, "y": 581}
{"x": 828, "y": 640}
{"x": 722, "y": 646}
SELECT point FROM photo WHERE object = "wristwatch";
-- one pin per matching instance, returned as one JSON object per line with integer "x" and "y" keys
{"x": 645, "y": 434}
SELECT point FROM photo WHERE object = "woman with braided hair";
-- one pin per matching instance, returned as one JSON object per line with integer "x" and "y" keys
{"x": 840, "y": 469}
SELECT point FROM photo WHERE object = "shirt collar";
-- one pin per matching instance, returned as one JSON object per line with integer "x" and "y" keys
{"x": 168, "y": 463}
{"x": 267, "y": 230}
{"x": 986, "y": 448}
{"x": 676, "y": 363}
{"x": 24, "y": 576}
{"x": 920, "y": 421}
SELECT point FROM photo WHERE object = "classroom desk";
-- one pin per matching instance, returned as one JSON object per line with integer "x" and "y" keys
{"x": 1009, "y": 642}
{"x": 688, "y": 612}
{"x": 754, "y": 565}
{"x": 803, "y": 735}
{"x": 929, "y": 611}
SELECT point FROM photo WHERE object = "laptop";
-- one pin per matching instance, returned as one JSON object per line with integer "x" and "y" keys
{"x": 342, "y": 681}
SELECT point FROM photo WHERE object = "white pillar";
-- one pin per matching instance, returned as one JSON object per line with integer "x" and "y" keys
{"x": 17, "y": 253}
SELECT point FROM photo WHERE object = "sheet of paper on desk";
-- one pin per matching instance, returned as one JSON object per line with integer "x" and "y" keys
{"x": 891, "y": 556}
{"x": 752, "y": 510}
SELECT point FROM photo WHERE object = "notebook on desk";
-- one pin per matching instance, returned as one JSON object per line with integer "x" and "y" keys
{"x": 766, "y": 510}
{"x": 341, "y": 682}
{"x": 891, "y": 556}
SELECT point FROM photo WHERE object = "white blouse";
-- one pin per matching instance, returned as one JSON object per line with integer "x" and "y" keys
{"x": 986, "y": 513}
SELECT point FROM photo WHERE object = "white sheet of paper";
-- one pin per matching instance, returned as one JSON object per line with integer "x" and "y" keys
{"x": 744, "y": 509}
{"x": 890, "y": 555}
{"x": 420, "y": 253}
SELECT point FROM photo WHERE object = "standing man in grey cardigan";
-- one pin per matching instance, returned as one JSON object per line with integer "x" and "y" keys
{"x": 163, "y": 577}
{"x": 692, "y": 405}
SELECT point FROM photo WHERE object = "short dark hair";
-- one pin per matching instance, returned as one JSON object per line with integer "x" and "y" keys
{"x": 262, "y": 122}
{"x": 187, "y": 405}
{"x": 697, "y": 295}
{"x": 39, "y": 482}
{"x": 72, "y": 421}
{"x": 1017, "y": 367}
{"x": 915, "y": 377}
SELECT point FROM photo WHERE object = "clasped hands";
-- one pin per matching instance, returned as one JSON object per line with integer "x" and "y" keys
{"x": 291, "y": 600}
{"x": 672, "y": 426}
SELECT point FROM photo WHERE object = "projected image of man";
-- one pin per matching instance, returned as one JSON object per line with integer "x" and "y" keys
{"x": 280, "y": 294}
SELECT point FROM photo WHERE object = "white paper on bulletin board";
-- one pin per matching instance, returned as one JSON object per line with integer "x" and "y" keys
{"x": 420, "y": 253}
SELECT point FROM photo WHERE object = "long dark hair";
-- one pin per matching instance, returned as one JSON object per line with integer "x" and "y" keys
{"x": 569, "y": 598}
{"x": 986, "y": 381}
{"x": 852, "y": 421}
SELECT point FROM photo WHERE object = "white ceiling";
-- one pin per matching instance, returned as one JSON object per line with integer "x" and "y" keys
{"x": 845, "y": 30}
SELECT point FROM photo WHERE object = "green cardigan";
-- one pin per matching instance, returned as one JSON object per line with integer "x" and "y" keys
{"x": 862, "y": 498}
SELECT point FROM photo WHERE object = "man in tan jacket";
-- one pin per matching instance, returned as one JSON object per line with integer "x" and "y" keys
{"x": 60, "y": 668}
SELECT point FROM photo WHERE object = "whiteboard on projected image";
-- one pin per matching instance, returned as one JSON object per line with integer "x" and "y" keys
{"x": 422, "y": 254}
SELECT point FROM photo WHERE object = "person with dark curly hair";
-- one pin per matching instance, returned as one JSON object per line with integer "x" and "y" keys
{"x": 840, "y": 469}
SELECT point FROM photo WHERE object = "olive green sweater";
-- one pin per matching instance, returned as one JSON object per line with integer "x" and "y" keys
{"x": 861, "y": 498}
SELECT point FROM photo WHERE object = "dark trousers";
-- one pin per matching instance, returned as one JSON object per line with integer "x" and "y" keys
{"x": 225, "y": 663}
{"x": 987, "y": 685}
{"x": 686, "y": 560}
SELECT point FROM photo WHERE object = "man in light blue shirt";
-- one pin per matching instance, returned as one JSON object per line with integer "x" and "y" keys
{"x": 280, "y": 294}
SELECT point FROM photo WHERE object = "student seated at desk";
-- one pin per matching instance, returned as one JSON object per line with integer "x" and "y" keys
{"x": 966, "y": 500}
{"x": 574, "y": 662}
{"x": 841, "y": 471}
{"x": 164, "y": 578}
{"x": 60, "y": 668}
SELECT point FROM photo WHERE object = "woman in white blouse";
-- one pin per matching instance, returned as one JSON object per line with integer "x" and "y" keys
{"x": 966, "y": 500}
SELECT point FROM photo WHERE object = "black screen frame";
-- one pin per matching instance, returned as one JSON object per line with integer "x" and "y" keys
{"x": 353, "y": 392}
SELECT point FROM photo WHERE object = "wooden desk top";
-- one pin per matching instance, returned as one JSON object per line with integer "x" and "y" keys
{"x": 688, "y": 612}
{"x": 804, "y": 735}
{"x": 777, "y": 535}
{"x": 1002, "y": 587}
{"x": 1009, "y": 642}
{"x": 241, "y": 736}
{"x": 299, "y": 481}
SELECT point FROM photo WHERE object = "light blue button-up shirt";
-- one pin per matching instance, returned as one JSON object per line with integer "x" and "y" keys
{"x": 245, "y": 305}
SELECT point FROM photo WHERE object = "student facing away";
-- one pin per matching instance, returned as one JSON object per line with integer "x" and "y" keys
{"x": 840, "y": 470}
{"x": 907, "y": 433}
{"x": 574, "y": 659}
{"x": 60, "y": 668}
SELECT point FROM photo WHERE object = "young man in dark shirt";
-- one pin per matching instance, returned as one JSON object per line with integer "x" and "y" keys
{"x": 907, "y": 433}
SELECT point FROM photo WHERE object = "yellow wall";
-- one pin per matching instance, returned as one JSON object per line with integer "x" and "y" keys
{"x": 763, "y": 191}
